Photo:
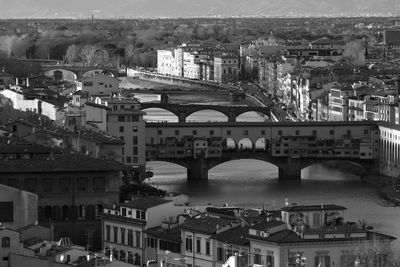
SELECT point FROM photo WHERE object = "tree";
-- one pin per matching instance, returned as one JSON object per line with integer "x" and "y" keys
{"x": 355, "y": 51}
{"x": 87, "y": 54}
{"x": 373, "y": 253}
{"x": 71, "y": 55}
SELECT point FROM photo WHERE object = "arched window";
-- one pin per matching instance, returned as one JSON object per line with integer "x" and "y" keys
{"x": 100, "y": 209}
{"x": 122, "y": 255}
{"x": 65, "y": 212}
{"x": 5, "y": 242}
{"x": 90, "y": 212}
{"x": 130, "y": 257}
{"x": 115, "y": 253}
{"x": 137, "y": 259}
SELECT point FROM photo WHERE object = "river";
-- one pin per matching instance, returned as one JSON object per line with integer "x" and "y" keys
{"x": 252, "y": 183}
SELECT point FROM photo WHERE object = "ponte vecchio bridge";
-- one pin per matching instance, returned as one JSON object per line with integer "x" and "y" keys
{"x": 291, "y": 146}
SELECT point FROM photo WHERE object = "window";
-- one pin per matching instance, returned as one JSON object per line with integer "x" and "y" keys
{"x": 332, "y": 132}
{"x": 220, "y": 254}
{"x": 323, "y": 261}
{"x": 128, "y": 160}
{"x": 194, "y": 132}
{"x": 130, "y": 238}
{"x": 88, "y": 84}
{"x": 228, "y": 132}
{"x": 279, "y": 132}
{"x": 115, "y": 229}
{"x": 257, "y": 258}
{"x": 6, "y": 211}
{"x": 211, "y": 132}
{"x": 176, "y": 132}
{"x": 270, "y": 259}
{"x": 348, "y": 132}
{"x": 135, "y": 140}
{"x": 189, "y": 244}
{"x": 5, "y": 242}
{"x": 123, "y": 236}
{"x": 314, "y": 132}
{"x": 121, "y": 118}
{"x": 366, "y": 131}
{"x": 262, "y": 132}
{"x": 137, "y": 234}
{"x": 246, "y": 132}
{"x": 198, "y": 245}
{"x": 135, "y": 150}
{"x": 108, "y": 233}
{"x": 297, "y": 132}
{"x": 207, "y": 247}
{"x": 160, "y": 132}
{"x": 134, "y": 129}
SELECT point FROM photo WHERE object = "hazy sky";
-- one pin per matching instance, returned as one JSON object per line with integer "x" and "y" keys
{"x": 190, "y": 8}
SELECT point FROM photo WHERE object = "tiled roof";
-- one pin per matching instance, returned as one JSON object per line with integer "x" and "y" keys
{"x": 173, "y": 234}
{"x": 61, "y": 163}
{"x": 266, "y": 225}
{"x": 236, "y": 235}
{"x": 207, "y": 225}
{"x": 145, "y": 203}
{"x": 312, "y": 207}
{"x": 285, "y": 236}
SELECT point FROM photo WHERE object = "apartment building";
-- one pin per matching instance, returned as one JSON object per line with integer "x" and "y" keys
{"x": 124, "y": 226}
{"x": 226, "y": 69}
{"x": 125, "y": 120}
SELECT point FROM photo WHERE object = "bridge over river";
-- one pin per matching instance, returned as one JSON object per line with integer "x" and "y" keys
{"x": 290, "y": 146}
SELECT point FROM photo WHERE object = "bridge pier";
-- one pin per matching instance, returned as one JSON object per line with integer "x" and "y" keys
{"x": 289, "y": 173}
{"x": 197, "y": 170}
{"x": 182, "y": 117}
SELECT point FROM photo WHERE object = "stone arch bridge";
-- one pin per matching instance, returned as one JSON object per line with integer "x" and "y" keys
{"x": 183, "y": 111}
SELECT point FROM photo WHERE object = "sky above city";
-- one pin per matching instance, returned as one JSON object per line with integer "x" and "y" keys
{"x": 81, "y": 9}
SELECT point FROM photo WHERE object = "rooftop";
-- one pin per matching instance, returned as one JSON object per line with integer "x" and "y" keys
{"x": 61, "y": 163}
{"x": 312, "y": 207}
{"x": 236, "y": 235}
{"x": 173, "y": 234}
{"x": 145, "y": 203}
{"x": 262, "y": 226}
{"x": 207, "y": 224}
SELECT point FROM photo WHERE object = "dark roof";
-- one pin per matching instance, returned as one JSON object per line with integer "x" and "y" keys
{"x": 312, "y": 207}
{"x": 80, "y": 92}
{"x": 285, "y": 236}
{"x": 206, "y": 225}
{"x": 20, "y": 122}
{"x": 236, "y": 235}
{"x": 392, "y": 36}
{"x": 145, "y": 203}
{"x": 61, "y": 163}
{"x": 32, "y": 149}
{"x": 288, "y": 236}
{"x": 262, "y": 226}
{"x": 121, "y": 218}
{"x": 173, "y": 234}
{"x": 88, "y": 103}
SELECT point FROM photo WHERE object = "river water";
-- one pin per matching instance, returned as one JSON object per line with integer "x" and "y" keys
{"x": 252, "y": 183}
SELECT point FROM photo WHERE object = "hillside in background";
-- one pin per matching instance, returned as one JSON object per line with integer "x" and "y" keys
{"x": 195, "y": 8}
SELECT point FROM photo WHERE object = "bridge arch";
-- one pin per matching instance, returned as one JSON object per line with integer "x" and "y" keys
{"x": 262, "y": 144}
{"x": 347, "y": 167}
{"x": 231, "y": 144}
{"x": 67, "y": 75}
{"x": 251, "y": 116}
{"x": 206, "y": 113}
{"x": 164, "y": 114}
{"x": 245, "y": 144}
